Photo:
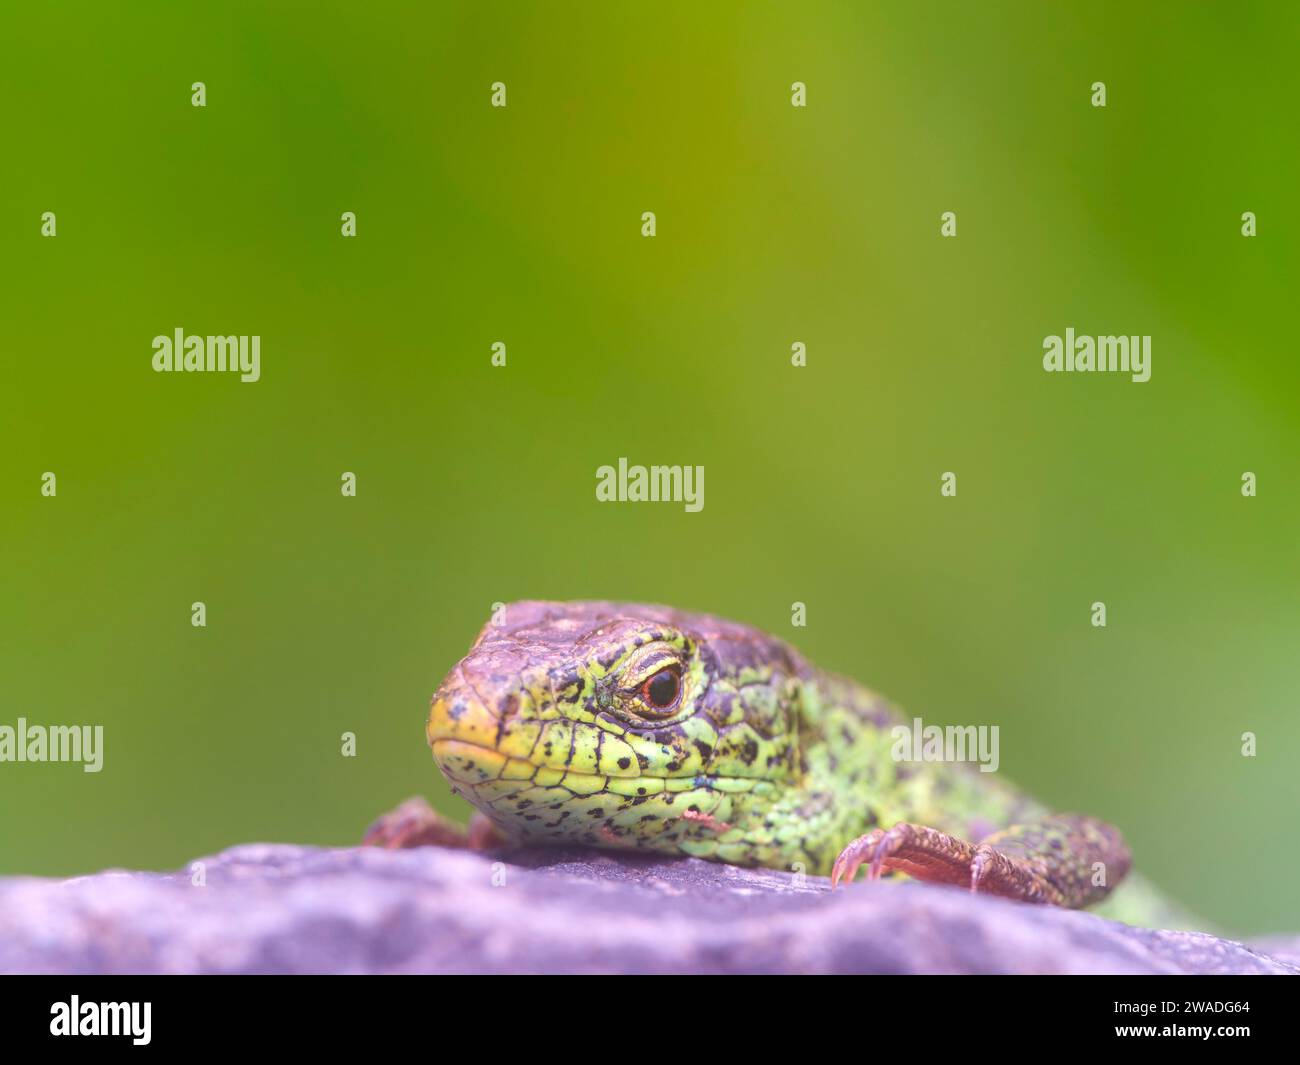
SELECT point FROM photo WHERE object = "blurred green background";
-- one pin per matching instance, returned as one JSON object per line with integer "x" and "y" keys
{"x": 476, "y": 484}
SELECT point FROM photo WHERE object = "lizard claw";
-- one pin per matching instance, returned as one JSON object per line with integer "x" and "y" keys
{"x": 924, "y": 853}
{"x": 853, "y": 856}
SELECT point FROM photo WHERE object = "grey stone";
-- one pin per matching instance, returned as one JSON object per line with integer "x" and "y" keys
{"x": 277, "y": 908}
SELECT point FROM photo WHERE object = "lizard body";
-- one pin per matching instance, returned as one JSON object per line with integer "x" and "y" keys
{"x": 641, "y": 727}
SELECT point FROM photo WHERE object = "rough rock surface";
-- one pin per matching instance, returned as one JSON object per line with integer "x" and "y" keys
{"x": 279, "y": 908}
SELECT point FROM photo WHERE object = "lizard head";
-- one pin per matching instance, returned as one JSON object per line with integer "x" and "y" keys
{"x": 622, "y": 725}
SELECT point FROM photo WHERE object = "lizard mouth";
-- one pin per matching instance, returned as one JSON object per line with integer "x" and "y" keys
{"x": 563, "y": 781}
{"x": 554, "y": 779}
{"x": 471, "y": 763}
{"x": 474, "y": 766}
{"x": 538, "y": 803}
{"x": 465, "y": 762}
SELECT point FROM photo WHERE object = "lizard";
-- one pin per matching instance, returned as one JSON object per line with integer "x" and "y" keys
{"x": 641, "y": 727}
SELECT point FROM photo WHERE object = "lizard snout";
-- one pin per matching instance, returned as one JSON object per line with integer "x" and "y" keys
{"x": 458, "y": 713}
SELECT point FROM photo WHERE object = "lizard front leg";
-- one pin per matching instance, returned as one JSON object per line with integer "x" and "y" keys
{"x": 1054, "y": 860}
{"x": 417, "y": 824}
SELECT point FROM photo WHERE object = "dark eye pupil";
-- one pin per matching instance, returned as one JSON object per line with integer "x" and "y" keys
{"x": 661, "y": 689}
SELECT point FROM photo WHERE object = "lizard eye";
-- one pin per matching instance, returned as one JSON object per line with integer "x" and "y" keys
{"x": 661, "y": 690}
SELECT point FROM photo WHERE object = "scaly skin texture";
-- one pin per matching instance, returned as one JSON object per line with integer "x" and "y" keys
{"x": 761, "y": 759}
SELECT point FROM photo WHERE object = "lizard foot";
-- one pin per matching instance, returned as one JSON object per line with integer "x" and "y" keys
{"x": 1062, "y": 860}
{"x": 920, "y": 852}
{"x": 417, "y": 824}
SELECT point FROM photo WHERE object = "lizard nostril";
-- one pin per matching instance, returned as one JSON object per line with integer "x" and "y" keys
{"x": 456, "y": 712}
{"x": 472, "y": 685}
